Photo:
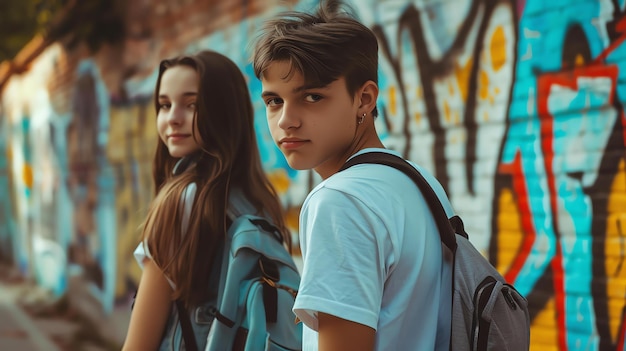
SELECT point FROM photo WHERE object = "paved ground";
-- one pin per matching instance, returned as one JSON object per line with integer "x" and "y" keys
{"x": 17, "y": 330}
{"x": 33, "y": 320}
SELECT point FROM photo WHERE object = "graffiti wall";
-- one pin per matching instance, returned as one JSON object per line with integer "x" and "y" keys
{"x": 515, "y": 106}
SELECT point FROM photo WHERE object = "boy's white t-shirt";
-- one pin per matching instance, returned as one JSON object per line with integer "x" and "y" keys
{"x": 372, "y": 254}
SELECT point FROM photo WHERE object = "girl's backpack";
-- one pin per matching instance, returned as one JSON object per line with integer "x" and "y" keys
{"x": 258, "y": 284}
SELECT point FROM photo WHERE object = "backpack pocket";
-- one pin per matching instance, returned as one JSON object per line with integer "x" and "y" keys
{"x": 270, "y": 326}
{"x": 494, "y": 331}
{"x": 272, "y": 346}
{"x": 258, "y": 328}
{"x": 201, "y": 320}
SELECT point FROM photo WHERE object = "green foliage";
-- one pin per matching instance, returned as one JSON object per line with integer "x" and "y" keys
{"x": 21, "y": 20}
{"x": 93, "y": 22}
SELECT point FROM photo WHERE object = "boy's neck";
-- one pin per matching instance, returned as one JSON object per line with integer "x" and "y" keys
{"x": 369, "y": 139}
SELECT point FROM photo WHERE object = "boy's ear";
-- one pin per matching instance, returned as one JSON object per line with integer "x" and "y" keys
{"x": 368, "y": 95}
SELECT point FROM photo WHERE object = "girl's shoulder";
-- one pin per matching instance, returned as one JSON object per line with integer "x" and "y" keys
{"x": 239, "y": 204}
{"x": 187, "y": 199}
{"x": 189, "y": 193}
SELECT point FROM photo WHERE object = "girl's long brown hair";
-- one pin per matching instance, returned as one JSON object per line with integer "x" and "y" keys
{"x": 228, "y": 159}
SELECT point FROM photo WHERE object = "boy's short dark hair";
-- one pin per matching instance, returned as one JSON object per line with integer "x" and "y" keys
{"x": 323, "y": 46}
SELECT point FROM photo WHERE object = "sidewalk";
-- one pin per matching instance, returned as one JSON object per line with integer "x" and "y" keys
{"x": 17, "y": 330}
{"x": 108, "y": 330}
{"x": 31, "y": 319}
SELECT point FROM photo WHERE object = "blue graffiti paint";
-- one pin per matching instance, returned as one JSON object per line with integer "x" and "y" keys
{"x": 579, "y": 141}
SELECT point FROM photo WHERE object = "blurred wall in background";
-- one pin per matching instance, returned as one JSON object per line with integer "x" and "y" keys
{"x": 515, "y": 105}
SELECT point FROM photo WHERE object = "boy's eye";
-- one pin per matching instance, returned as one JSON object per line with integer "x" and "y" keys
{"x": 313, "y": 98}
{"x": 273, "y": 101}
{"x": 165, "y": 106}
{"x": 192, "y": 105}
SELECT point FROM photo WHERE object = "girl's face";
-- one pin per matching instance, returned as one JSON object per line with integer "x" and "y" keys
{"x": 177, "y": 106}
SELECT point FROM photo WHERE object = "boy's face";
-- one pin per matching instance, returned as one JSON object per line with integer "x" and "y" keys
{"x": 314, "y": 127}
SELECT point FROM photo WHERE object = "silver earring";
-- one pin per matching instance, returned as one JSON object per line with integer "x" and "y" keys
{"x": 361, "y": 118}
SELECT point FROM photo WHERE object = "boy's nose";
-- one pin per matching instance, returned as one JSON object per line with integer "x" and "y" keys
{"x": 288, "y": 118}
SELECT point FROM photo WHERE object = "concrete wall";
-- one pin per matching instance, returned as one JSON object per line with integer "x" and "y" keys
{"x": 515, "y": 105}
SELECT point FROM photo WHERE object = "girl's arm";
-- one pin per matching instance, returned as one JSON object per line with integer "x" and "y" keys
{"x": 152, "y": 308}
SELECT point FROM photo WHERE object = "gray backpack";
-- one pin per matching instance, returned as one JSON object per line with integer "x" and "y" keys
{"x": 487, "y": 312}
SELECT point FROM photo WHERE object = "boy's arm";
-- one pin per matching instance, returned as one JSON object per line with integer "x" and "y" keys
{"x": 341, "y": 287}
{"x": 340, "y": 334}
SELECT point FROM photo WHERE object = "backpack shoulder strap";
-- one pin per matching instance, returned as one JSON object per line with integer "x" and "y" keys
{"x": 446, "y": 231}
{"x": 185, "y": 324}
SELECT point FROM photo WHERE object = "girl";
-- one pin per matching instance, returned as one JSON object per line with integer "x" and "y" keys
{"x": 206, "y": 171}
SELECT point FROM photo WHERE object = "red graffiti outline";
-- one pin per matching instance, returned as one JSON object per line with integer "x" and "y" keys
{"x": 544, "y": 84}
{"x": 519, "y": 186}
{"x": 620, "y": 27}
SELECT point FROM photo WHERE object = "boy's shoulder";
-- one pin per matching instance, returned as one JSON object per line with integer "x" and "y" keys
{"x": 387, "y": 181}
{"x": 364, "y": 175}
{"x": 368, "y": 183}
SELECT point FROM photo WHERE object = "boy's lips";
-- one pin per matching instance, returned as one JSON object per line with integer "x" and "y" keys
{"x": 291, "y": 143}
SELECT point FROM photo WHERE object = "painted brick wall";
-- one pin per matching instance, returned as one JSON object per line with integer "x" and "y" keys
{"x": 515, "y": 105}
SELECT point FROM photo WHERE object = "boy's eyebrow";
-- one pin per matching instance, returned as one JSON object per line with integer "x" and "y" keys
{"x": 296, "y": 90}
{"x": 268, "y": 93}
{"x": 309, "y": 86}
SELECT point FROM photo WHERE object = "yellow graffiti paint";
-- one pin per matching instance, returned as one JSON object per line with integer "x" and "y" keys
{"x": 497, "y": 48}
{"x": 615, "y": 305}
{"x": 144, "y": 131}
{"x": 614, "y": 246}
{"x": 116, "y": 148}
{"x": 510, "y": 233}
{"x": 580, "y": 60}
{"x": 462, "y": 74}
{"x": 543, "y": 331}
{"x": 419, "y": 93}
{"x": 392, "y": 100}
{"x": 418, "y": 117}
{"x": 27, "y": 175}
{"x": 446, "y": 111}
{"x": 280, "y": 180}
{"x": 128, "y": 234}
{"x": 483, "y": 83}
{"x": 292, "y": 218}
{"x": 132, "y": 139}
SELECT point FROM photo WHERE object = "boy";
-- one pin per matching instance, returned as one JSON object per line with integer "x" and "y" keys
{"x": 372, "y": 256}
